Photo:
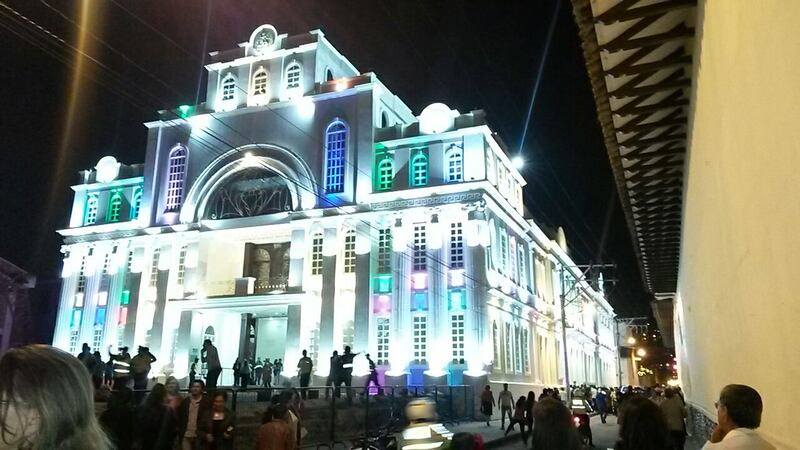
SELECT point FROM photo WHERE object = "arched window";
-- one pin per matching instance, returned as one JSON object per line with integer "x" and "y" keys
{"x": 228, "y": 88}
{"x": 316, "y": 254}
{"x": 90, "y": 213}
{"x": 350, "y": 251}
{"x": 454, "y": 164}
{"x": 260, "y": 82}
{"x": 176, "y": 173}
{"x": 114, "y": 207}
{"x": 136, "y": 203}
{"x": 328, "y": 75}
{"x": 385, "y": 173}
{"x": 419, "y": 168}
{"x": 384, "y": 119}
{"x": 293, "y": 75}
{"x": 335, "y": 147}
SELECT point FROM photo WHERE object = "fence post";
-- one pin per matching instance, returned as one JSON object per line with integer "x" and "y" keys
{"x": 366, "y": 410}
{"x": 233, "y": 401}
{"x": 450, "y": 400}
{"x": 465, "y": 402}
{"x": 333, "y": 414}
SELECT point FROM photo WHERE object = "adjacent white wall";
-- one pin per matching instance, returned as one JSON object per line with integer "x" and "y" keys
{"x": 738, "y": 307}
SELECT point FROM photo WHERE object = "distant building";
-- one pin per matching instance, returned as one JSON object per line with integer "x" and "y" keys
{"x": 15, "y": 285}
{"x": 304, "y": 206}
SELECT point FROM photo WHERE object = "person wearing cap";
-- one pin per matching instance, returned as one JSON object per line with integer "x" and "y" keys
{"x": 140, "y": 368}
{"x": 121, "y": 363}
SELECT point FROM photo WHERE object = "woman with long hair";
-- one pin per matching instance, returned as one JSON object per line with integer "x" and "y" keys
{"x": 157, "y": 425}
{"x": 46, "y": 401}
{"x": 218, "y": 426}
{"x": 118, "y": 417}
{"x": 642, "y": 425}
{"x": 553, "y": 428}
{"x": 174, "y": 397}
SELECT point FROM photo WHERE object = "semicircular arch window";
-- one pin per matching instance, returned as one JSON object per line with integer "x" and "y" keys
{"x": 251, "y": 192}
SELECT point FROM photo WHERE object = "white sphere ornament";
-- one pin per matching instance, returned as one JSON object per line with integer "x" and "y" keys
{"x": 436, "y": 118}
{"x": 107, "y": 169}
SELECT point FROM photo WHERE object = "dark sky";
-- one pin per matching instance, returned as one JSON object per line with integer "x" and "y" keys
{"x": 483, "y": 56}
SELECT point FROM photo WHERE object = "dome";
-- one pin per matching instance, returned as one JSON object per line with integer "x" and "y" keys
{"x": 436, "y": 118}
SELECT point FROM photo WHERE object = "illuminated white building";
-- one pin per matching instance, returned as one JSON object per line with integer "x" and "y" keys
{"x": 304, "y": 206}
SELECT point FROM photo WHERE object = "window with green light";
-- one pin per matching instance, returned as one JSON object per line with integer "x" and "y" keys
{"x": 90, "y": 212}
{"x": 114, "y": 207}
{"x": 125, "y": 298}
{"x": 418, "y": 173}
{"x": 384, "y": 170}
{"x": 136, "y": 202}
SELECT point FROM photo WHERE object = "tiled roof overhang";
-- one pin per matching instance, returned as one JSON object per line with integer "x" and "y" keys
{"x": 639, "y": 58}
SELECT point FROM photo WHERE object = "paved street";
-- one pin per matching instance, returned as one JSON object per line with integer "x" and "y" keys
{"x": 605, "y": 435}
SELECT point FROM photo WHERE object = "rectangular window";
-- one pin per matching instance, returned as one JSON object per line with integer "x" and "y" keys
{"x": 495, "y": 347}
{"x": 97, "y": 338}
{"x": 419, "y": 301}
{"x": 90, "y": 217}
{"x": 107, "y": 262}
{"x": 512, "y": 251}
{"x": 517, "y": 350}
{"x": 457, "y": 301}
{"x": 181, "y": 266}
{"x": 385, "y": 250}
{"x": 420, "y": 328}
{"x": 523, "y": 273}
{"x": 503, "y": 251}
{"x": 316, "y": 255}
{"x": 73, "y": 341}
{"x": 457, "y": 336}
{"x": 350, "y": 252}
{"x": 526, "y": 354}
{"x": 509, "y": 349}
{"x": 420, "y": 262}
{"x": 383, "y": 342}
{"x": 456, "y": 246}
{"x": 154, "y": 267}
{"x": 81, "y": 288}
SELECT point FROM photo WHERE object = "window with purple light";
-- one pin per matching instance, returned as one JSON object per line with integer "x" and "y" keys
{"x": 176, "y": 175}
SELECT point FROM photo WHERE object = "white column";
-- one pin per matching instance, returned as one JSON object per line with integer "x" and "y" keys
{"x": 439, "y": 338}
{"x": 116, "y": 284}
{"x": 297, "y": 254}
{"x": 94, "y": 271}
{"x": 70, "y": 271}
{"x": 400, "y": 321}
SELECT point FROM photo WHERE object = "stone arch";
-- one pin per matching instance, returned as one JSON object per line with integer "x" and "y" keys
{"x": 300, "y": 180}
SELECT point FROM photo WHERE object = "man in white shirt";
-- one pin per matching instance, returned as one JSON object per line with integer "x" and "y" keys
{"x": 738, "y": 415}
{"x": 506, "y": 401}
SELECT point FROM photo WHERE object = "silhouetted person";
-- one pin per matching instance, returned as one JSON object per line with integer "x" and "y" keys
{"x": 373, "y": 374}
{"x": 210, "y": 356}
{"x": 333, "y": 375}
{"x": 140, "y": 368}
{"x": 156, "y": 423}
{"x": 553, "y": 428}
{"x": 118, "y": 418}
{"x": 642, "y": 425}
{"x": 304, "y": 368}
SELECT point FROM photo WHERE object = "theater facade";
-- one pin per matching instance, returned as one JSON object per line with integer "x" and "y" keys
{"x": 305, "y": 206}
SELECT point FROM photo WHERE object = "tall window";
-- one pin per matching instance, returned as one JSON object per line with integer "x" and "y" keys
{"x": 454, "y": 164}
{"x": 114, "y": 207}
{"x": 350, "y": 251}
{"x": 385, "y": 171}
{"x": 523, "y": 272}
{"x": 335, "y": 147}
{"x": 508, "y": 348}
{"x": 457, "y": 336}
{"x": 293, "y": 72}
{"x": 260, "y": 81}
{"x": 517, "y": 349}
{"x": 90, "y": 214}
{"x": 383, "y": 341}
{"x": 181, "y": 266}
{"x": 385, "y": 250}
{"x": 495, "y": 346}
{"x": 420, "y": 262}
{"x": 503, "y": 251}
{"x": 228, "y": 88}
{"x": 136, "y": 202}
{"x": 154, "y": 267}
{"x": 81, "y": 288}
{"x": 316, "y": 254}
{"x": 456, "y": 246}
{"x": 176, "y": 173}
{"x": 418, "y": 172}
{"x": 420, "y": 328}
{"x": 512, "y": 251}
{"x": 526, "y": 354}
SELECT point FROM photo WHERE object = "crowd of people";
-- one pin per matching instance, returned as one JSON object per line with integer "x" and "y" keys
{"x": 47, "y": 402}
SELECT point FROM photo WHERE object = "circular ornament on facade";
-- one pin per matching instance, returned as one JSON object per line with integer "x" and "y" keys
{"x": 263, "y": 39}
{"x": 107, "y": 169}
{"x": 436, "y": 118}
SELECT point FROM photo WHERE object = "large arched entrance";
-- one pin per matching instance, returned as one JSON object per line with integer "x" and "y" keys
{"x": 252, "y": 191}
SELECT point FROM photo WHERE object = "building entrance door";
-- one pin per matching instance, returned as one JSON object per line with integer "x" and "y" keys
{"x": 271, "y": 338}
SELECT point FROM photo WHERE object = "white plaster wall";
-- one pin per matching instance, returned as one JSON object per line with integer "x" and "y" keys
{"x": 737, "y": 283}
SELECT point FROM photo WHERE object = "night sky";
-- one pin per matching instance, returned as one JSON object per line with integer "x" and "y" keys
{"x": 482, "y": 57}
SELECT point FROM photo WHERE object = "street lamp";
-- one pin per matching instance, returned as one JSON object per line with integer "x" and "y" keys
{"x": 641, "y": 352}
{"x": 631, "y": 340}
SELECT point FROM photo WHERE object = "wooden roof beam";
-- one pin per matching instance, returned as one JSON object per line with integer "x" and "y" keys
{"x": 626, "y": 13}
{"x": 681, "y": 31}
{"x": 650, "y": 88}
{"x": 647, "y": 142}
{"x": 678, "y": 60}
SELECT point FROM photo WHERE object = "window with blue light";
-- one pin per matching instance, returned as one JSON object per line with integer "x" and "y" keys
{"x": 136, "y": 202}
{"x": 454, "y": 164}
{"x": 418, "y": 168}
{"x": 176, "y": 174}
{"x": 100, "y": 316}
{"x": 457, "y": 300}
{"x": 419, "y": 301}
{"x": 335, "y": 149}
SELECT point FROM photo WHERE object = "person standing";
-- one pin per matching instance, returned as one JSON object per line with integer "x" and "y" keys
{"x": 118, "y": 417}
{"x": 156, "y": 423}
{"x": 210, "y": 356}
{"x": 487, "y": 403}
{"x": 237, "y": 367}
{"x": 675, "y": 412}
{"x": 276, "y": 433}
{"x": 193, "y": 371}
{"x": 244, "y": 371}
{"x": 267, "y": 374}
{"x": 258, "y": 367}
{"x": 98, "y": 370}
{"x": 553, "y": 428}
{"x": 373, "y": 374}
{"x": 530, "y": 402}
{"x": 642, "y": 425}
{"x": 601, "y": 404}
{"x": 304, "y": 368}
{"x": 277, "y": 369}
{"x": 739, "y": 411}
{"x": 174, "y": 397}
{"x": 346, "y": 362}
{"x": 140, "y": 367}
{"x": 218, "y": 426}
{"x": 518, "y": 418}
{"x": 333, "y": 375}
{"x": 85, "y": 356}
{"x": 121, "y": 363}
{"x": 506, "y": 401}
{"x": 191, "y": 410}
